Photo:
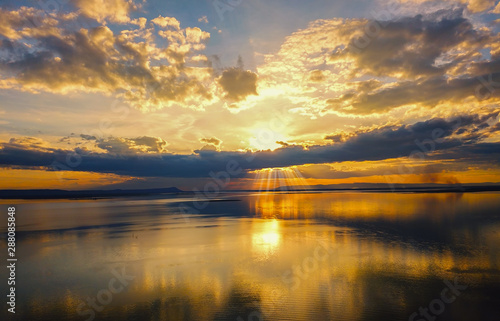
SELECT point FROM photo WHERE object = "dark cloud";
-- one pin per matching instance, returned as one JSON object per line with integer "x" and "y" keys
{"x": 121, "y": 146}
{"x": 88, "y": 137}
{"x": 433, "y": 139}
{"x": 338, "y": 138}
{"x": 282, "y": 143}
{"x": 431, "y": 59}
{"x": 316, "y": 76}
{"x": 237, "y": 83}
{"x": 412, "y": 46}
{"x": 428, "y": 92}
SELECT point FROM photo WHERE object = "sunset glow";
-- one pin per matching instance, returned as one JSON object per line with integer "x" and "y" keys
{"x": 142, "y": 93}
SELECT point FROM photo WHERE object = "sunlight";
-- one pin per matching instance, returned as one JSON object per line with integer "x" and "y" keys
{"x": 267, "y": 238}
{"x": 279, "y": 179}
{"x": 265, "y": 138}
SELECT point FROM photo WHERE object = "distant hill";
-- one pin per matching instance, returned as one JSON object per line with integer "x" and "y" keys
{"x": 59, "y": 193}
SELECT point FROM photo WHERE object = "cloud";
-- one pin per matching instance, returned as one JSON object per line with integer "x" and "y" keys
{"x": 480, "y": 5}
{"x": 496, "y": 9}
{"x": 427, "y": 93}
{"x": 29, "y": 142}
{"x": 88, "y": 137}
{"x": 203, "y": 19}
{"x": 237, "y": 83}
{"x": 128, "y": 64}
{"x": 212, "y": 140}
{"x": 212, "y": 144}
{"x": 432, "y": 140}
{"x": 117, "y": 11}
{"x": 338, "y": 138}
{"x": 474, "y": 6}
{"x": 415, "y": 46}
{"x": 29, "y": 22}
{"x": 124, "y": 146}
{"x": 366, "y": 67}
{"x": 208, "y": 147}
{"x": 317, "y": 75}
{"x": 141, "y": 22}
{"x": 339, "y": 66}
{"x": 166, "y": 22}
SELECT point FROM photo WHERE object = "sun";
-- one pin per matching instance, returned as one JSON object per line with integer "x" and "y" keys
{"x": 265, "y": 138}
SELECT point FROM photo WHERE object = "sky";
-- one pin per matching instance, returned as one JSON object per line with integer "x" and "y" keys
{"x": 229, "y": 94}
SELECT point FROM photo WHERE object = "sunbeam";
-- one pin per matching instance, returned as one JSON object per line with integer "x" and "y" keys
{"x": 279, "y": 179}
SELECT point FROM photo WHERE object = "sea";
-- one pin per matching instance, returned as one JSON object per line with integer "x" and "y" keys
{"x": 305, "y": 255}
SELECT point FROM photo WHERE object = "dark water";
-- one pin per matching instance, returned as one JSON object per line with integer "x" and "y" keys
{"x": 305, "y": 256}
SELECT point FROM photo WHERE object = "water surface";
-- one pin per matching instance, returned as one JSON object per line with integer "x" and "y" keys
{"x": 269, "y": 256}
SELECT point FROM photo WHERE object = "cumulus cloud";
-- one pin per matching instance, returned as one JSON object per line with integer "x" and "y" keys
{"x": 434, "y": 60}
{"x": 166, "y": 22}
{"x": 128, "y": 64}
{"x": 29, "y": 22}
{"x": 416, "y": 46}
{"x": 364, "y": 67}
{"x": 237, "y": 83}
{"x": 117, "y": 11}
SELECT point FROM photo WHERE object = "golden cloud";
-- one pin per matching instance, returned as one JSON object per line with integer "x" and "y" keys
{"x": 128, "y": 64}
{"x": 167, "y": 22}
{"x": 117, "y": 11}
{"x": 29, "y": 22}
{"x": 366, "y": 67}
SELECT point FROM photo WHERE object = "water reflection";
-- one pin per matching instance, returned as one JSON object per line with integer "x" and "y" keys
{"x": 266, "y": 238}
{"x": 382, "y": 257}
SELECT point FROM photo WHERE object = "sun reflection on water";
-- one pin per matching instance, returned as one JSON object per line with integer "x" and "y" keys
{"x": 266, "y": 237}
